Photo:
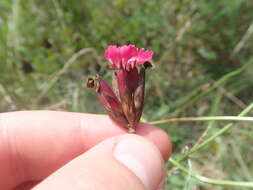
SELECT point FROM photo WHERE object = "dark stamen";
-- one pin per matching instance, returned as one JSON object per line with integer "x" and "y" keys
{"x": 90, "y": 83}
{"x": 147, "y": 65}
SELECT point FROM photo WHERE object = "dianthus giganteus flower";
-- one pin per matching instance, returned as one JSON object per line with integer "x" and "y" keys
{"x": 124, "y": 103}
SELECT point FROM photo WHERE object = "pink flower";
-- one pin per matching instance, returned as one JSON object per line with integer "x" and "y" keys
{"x": 125, "y": 104}
{"x": 127, "y": 56}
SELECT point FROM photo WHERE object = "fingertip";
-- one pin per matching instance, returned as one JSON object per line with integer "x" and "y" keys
{"x": 142, "y": 157}
{"x": 116, "y": 163}
{"x": 139, "y": 154}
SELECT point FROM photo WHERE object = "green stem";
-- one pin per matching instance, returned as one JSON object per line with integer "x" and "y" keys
{"x": 210, "y": 180}
{"x": 212, "y": 118}
{"x": 220, "y": 132}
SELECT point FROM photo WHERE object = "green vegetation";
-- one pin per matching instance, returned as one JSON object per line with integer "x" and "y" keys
{"x": 204, "y": 62}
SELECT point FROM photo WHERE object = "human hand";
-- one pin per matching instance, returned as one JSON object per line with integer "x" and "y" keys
{"x": 60, "y": 150}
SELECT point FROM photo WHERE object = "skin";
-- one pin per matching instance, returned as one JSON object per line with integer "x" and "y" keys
{"x": 62, "y": 150}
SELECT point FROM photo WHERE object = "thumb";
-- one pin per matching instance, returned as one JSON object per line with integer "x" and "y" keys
{"x": 122, "y": 162}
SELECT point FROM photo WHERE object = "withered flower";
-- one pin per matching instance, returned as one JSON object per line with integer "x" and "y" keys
{"x": 124, "y": 103}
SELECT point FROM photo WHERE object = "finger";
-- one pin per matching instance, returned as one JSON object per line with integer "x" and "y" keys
{"x": 36, "y": 143}
{"x": 116, "y": 163}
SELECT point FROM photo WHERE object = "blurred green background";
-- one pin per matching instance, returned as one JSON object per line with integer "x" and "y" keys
{"x": 203, "y": 58}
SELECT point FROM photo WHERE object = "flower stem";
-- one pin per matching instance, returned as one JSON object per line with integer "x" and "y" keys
{"x": 211, "y": 118}
{"x": 210, "y": 180}
{"x": 220, "y": 132}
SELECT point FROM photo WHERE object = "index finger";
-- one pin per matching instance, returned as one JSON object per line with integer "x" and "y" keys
{"x": 33, "y": 144}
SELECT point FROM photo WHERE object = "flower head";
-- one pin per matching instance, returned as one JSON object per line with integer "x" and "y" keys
{"x": 125, "y": 104}
{"x": 127, "y": 56}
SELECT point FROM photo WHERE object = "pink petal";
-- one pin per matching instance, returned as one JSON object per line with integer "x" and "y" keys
{"x": 144, "y": 56}
{"x": 126, "y": 52}
{"x": 112, "y": 54}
